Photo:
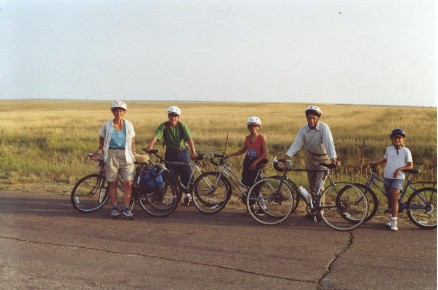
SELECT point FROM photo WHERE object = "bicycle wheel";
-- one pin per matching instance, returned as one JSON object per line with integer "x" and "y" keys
{"x": 270, "y": 200}
{"x": 373, "y": 203}
{"x": 421, "y": 207}
{"x": 90, "y": 193}
{"x": 211, "y": 192}
{"x": 295, "y": 193}
{"x": 342, "y": 200}
{"x": 163, "y": 201}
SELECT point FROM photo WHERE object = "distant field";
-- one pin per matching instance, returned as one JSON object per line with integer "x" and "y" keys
{"x": 43, "y": 143}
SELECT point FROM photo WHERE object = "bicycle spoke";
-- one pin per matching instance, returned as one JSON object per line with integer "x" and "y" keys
{"x": 422, "y": 209}
{"x": 90, "y": 193}
{"x": 343, "y": 206}
{"x": 270, "y": 201}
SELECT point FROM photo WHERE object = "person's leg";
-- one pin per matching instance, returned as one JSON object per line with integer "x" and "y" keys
{"x": 127, "y": 172}
{"x": 185, "y": 170}
{"x": 315, "y": 178}
{"x": 112, "y": 174}
{"x": 248, "y": 176}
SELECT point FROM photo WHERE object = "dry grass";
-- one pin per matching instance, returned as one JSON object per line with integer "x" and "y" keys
{"x": 45, "y": 142}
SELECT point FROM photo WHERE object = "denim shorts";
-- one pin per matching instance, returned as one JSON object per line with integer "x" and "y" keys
{"x": 393, "y": 183}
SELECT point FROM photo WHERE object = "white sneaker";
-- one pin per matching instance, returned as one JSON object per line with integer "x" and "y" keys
{"x": 394, "y": 224}
{"x": 388, "y": 223}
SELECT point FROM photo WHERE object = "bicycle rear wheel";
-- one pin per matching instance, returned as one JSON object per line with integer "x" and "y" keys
{"x": 343, "y": 206}
{"x": 270, "y": 200}
{"x": 373, "y": 203}
{"x": 90, "y": 193}
{"x": 421, "y": 207}
{"x": 163, "y": 201}
{"x": 211, "y": 192}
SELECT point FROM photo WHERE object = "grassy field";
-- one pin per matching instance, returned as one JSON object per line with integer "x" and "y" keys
{"x": 43, "y": 144}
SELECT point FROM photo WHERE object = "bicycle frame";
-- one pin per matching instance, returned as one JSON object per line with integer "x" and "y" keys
{"x": 374, "y": 179}
{"x": 225, "y": 170}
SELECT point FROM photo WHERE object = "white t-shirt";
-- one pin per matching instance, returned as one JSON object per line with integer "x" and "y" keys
{"x": 396, "y": 158}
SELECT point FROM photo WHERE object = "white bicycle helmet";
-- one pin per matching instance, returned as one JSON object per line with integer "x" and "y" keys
{"x": 174, "y": 110}
{"x": 313, "y": 110}
{"x": 254, "y": 120}
{"x": 119, "y": 104}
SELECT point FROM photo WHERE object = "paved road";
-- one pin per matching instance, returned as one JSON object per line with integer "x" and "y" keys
{"x": 46, "y": 244}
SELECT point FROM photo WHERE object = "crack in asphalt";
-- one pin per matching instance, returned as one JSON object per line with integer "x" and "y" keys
{"x": 165, "y": 259}
{"x": 335, "y": 258}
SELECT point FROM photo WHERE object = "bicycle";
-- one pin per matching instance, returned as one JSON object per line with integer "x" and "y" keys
{"x": 195, "y": 169}
{"x": 278, "y": 197}
{"x": 91, "y": 192}
{"x": 420, "y": 205}
{"x": 212, "y": 190}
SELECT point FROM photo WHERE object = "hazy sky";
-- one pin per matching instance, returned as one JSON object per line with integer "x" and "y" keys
{"x": 313, "y": 51}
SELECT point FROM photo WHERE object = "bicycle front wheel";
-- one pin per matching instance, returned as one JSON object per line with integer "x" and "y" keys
{"x": 90, "y": 193}
{"x": 211, "y": 192}
{"x": 271, "y": 200}
{"x": 421, "y": 207}
{"x": 343, "y": 206}
{"x": 162, "y": 201}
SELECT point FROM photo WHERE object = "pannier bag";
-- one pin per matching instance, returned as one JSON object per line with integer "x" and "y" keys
{"x": 152, "y": 179}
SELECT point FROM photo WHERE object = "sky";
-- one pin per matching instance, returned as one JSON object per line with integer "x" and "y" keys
{"x": 380, "y": 52}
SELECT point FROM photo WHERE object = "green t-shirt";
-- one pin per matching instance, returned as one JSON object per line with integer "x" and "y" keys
{"x": 175, "y": 137}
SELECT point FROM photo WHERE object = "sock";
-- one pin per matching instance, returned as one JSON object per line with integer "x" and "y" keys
{"x": 115, "y": 206}
{"x": 125, "y": 208}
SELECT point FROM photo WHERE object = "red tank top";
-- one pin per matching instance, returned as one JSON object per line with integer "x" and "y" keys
{"x": 255, "y": 149}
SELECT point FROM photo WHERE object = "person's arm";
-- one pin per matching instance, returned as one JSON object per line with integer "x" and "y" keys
{"x": 378, "y": 162}
{"x": 101, "y": 142}
{"x": 151, "y": 143}
{"x": 133, "y": 146}
{"x": 408, "y": 166}
{"x": 296, "y": 145}
{"x": 264, "y": 154}
{"x": 193, "y": 153}
{"x": 329, "y": 145}
{"x": 238, "y": 152}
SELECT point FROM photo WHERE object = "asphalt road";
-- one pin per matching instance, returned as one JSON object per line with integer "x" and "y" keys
{"x": 46, "y": 244}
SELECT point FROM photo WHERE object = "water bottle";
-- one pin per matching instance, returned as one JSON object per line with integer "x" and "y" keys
{"x": 305, "y": 194}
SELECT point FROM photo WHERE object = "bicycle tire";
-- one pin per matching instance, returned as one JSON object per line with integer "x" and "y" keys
{"x": 373, "y": 202}
{"x": 270, "y": 201}
{"x": 209, "y": 194}
{"x": 163, "y": 201}
{"x": 421, "y": 208}
{"x": 90, "y": 193}
{"x": 296, "y": 193}
{"x": 338, "y": 201}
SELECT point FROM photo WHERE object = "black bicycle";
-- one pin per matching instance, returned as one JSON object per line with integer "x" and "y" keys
{"x": 92, "y": 192}
{"x": 278, "y": 196}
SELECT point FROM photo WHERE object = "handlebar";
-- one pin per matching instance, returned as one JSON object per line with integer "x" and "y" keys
{"x": 162, "y": 160}
{"x": 222, "y": 159}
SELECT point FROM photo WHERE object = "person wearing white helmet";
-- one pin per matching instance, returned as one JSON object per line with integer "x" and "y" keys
{"x": 256, "y": 150}
{"x": 118, "y": 145}
{"x": 397, "y": 159}
{"x": 317, "y": 140}
{"x": 175, "y": 135}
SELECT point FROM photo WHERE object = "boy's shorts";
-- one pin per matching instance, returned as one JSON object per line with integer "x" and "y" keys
{"x": 393, "y": 184}
{"x": 116, "y": 164}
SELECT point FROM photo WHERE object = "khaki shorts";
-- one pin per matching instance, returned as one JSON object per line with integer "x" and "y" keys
{"x": 116, "y": 164}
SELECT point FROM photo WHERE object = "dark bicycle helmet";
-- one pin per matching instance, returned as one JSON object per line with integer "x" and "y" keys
{"x": 398, "y": 132}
